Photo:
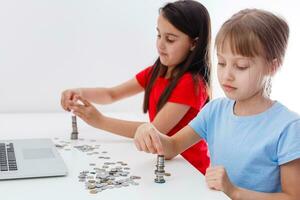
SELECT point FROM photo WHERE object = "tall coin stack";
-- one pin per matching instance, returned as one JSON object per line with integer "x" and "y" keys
{"x": 74, "y": 135}
{"x": 160, "y": 172}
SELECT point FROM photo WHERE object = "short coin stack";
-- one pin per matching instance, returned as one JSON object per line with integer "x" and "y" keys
{"x": 160, "y": 171}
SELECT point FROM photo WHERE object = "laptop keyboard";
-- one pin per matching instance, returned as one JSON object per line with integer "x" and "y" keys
{"x": 7, "y": 157}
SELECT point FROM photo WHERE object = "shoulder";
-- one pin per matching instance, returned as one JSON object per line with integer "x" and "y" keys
{"x": 144, "y": 76}
{"x": 284, "y": 115}
{"x": 217, "y": 108}
{"x": 191, "y": 83}
{"x": 220, "y": 103}
{"x": 146, "y": 71}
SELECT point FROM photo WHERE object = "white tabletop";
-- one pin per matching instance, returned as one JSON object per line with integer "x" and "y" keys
{"x": 185, "y": 181}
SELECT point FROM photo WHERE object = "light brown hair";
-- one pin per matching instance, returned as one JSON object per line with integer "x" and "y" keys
{"x": 255, "y": 32}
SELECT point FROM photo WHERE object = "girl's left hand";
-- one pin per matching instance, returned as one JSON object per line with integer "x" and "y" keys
{"x": 86, "y": 111}
{"x": 217, "y": 179}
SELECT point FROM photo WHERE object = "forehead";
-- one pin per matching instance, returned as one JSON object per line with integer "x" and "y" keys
{"x": 165, "y": 27}
{"x": 239, "y": 41}
{"x": 226, "y": 51}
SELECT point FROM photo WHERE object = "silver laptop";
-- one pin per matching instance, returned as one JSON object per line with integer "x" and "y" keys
{"x": 30, "y": 158}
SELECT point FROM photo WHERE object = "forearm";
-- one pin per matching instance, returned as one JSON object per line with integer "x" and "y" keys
{"x": 97, "y": 95}
{"x": 244, "y": 194}
{"x": 119, "y": 127}
{"x": 181, "y": 141}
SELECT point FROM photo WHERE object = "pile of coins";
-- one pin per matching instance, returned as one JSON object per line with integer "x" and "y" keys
{"x": 86, "y": 148}
{"x": 104, "y": 178}
{"x": 89, "y": 149}
{"x": 110, "y": 175}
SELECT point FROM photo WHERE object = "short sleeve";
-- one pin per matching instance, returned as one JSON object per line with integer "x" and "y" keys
{"x": 200, "y": 123}
{"x": 143, "y": 76}
{"x": 289, "y": 143}
{"x": 185, "y": 92}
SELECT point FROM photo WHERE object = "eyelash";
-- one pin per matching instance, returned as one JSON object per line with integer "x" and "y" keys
{"x": 221, "y": 64}
{"x": 168, "y": 40}
{"x": 241, "y": 68}
{"x": 238, "y": 67}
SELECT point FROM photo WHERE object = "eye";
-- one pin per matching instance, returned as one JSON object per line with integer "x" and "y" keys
{"x": 158, "y": 36}
{"x": 221, "y": 64}
{"x": 170, "y": 40}
{"x": 242, "y": 68}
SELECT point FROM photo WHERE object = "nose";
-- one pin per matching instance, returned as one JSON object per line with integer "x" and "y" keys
{"x": 228, "y": 74}
{"x": 160, "y": 44}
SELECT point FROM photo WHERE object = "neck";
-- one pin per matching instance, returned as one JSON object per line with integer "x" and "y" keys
{"x": 252, "y": 106}
{"x": 169, "y": 72}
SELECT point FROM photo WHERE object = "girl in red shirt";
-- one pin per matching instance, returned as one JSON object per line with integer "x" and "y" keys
{"x": 176, "y": 86}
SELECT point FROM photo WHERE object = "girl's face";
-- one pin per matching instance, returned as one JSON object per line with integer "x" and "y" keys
{"x": 241, "y": 77}
{"x": 172, "y": 45}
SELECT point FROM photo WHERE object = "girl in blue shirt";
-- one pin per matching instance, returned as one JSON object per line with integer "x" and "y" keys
{"x": 254, "y": 141}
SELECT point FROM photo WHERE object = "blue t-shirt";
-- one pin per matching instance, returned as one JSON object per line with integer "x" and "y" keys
{"x": 251, "y": 148}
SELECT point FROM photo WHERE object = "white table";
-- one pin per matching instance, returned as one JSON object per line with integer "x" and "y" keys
{"x": 184, "y": 183}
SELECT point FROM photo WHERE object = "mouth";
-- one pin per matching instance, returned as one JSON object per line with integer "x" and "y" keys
{"x": 228, "y": 88}
{"x": 162, "y": 54}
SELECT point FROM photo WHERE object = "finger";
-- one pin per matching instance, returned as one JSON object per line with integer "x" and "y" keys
{"x": 210, "y": 175}
{"x": 154, "y": 133}
{"x": 137, "y": 144}
{"x": 84, "y": 101}
{"x": 211, "y": 185}
{"x": 63, "y": 102}
{"x": 210, "y": 170}
{"x": 80, "y": 115}
{"x": 149, "y": 144}
{"x": 80, "y": 110}
{"x": 76, "y": 108}
{"x": 143, "y": 145}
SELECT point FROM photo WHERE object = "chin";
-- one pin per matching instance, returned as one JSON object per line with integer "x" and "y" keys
{"x": 162, "y": 61}
{"x": 232, "y": 97}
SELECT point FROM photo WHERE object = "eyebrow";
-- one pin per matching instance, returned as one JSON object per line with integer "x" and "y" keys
{"x": 168, "y": 34}
{"x": 237, "y": 57}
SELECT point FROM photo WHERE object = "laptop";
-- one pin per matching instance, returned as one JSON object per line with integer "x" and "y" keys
{"x": 30, "y": 158}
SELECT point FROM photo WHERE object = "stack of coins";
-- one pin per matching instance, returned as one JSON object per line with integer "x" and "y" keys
{"x": 160, "y": 172}
{"x": 74, "y": 135}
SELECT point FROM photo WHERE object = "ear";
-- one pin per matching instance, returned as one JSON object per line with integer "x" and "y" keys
{"x": 274, "y": 65}
{"x": 193, "y": 44}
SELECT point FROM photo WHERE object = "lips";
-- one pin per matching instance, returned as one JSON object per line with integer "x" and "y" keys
{"x": 228, "y": 88}
{"x": 162, "y": 54}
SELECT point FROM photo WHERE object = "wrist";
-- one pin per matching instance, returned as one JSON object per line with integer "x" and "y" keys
{"x": 100, "y": 122}
{"x": 235, "y": 193}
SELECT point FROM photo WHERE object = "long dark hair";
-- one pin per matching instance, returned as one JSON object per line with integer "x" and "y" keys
{"x": 191, "y": 18}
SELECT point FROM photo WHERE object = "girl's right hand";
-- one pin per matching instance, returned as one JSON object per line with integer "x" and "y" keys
{"x": 67, "y": 97}
{"x": 148, "y": 139}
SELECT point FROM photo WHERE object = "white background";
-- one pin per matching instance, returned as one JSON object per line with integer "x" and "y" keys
{"x": 47, "y": 46}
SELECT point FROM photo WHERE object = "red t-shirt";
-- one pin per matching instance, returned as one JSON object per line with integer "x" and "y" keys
{"x": 183, "y": 93}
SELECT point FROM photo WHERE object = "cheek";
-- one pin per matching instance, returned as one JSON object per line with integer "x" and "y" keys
{"x": 157, "y": 44}
{"x": 179, "y": 52}
{"x": 252, "y": 84}
{"x": 219, "y": 74}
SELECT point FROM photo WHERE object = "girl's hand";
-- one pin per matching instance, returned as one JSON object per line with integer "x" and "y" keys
{"x": 86, "y": 111}
{"x": 217, "y": 179}
{"x": 67, "y": 96}
{"x": 147, "y": 138}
